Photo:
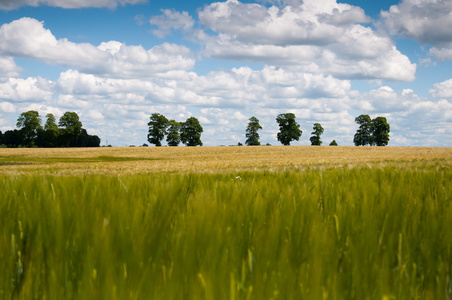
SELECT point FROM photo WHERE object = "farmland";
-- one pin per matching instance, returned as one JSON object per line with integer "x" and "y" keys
{"x": 226, "y": 223}
{"x": 133, "y": 160}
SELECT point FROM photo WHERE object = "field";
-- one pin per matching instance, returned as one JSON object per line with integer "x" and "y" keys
{"x": 226, "y": 223}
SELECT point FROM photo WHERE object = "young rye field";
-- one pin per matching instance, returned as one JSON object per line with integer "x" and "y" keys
{"x": 226, "y": 223}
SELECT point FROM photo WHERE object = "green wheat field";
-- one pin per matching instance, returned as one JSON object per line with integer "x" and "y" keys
{"x": 352, "y": 228}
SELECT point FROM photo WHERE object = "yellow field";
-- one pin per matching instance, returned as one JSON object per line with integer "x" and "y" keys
{"x": 129, "y": 160}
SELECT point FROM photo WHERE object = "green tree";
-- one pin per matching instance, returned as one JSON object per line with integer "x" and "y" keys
{"x": 157, "y": 129}
{"x": 252, "y": 137}
{"x": 70, "y": 127}
{"x": 51, "y": 131}
{"x": 318, "y": 131}
{"x": 363, "y": 135}
{"x": 289, "y": 129}
{"x": 173, "y": 133}
{"x": 85, "y": 140}
{"x": 12, "y": 138}
{"x": 190, "y": 132}
{"x": 333, "y": 143}
{"x": 381, "y": 131}
{"x": 29, "y": 123}
{"x": 371, "y": 131}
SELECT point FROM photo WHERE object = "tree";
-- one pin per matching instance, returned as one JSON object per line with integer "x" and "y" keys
{"x": 51, "y": 131}
{"x": 70, "y": 127}
{"x": 381, "y": 131}
{"x": 289, "y": 129}
{"x": 252, "y": 137}
{"x": 333, "y": 143}
{"x": 371, "y": 131}
{"x": 157, "y": 129}
{"x": 29, "y": 123}
{"x": 190, "y": 132}
{"x": 173, "y": 133}
{"x": 318, "y": 131}
{"x": 85, "y": 140}
{"x": 363, "y": 135}
{"x": 12, "y": 138}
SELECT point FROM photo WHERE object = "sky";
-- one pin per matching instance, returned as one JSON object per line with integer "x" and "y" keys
{"x": 116, "y": 62}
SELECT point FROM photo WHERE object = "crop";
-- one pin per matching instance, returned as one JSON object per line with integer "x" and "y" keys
{"x": 138, "y": 160}
{"x": 377, "y": 231}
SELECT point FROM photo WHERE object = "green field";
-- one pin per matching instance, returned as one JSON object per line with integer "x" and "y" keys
{"x": 378, "y": 230}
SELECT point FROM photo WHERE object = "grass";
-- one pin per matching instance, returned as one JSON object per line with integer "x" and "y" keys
{"x": 372, "y": 230}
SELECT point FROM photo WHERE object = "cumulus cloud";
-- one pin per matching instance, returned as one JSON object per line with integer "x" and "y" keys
{"x": 7, "y": 107}
{"x": 12, "y": 4}
{"x": 316, "y": 22}
{"x": 427, "y": 21}
{"x": 8, "y": 67}
{"x": 316, "y": 36}
{"x": 171, "y": 19}
{"x": 30, "y": 89}
{"x": 442, "y": 90}
{"x": 28, "y": 38}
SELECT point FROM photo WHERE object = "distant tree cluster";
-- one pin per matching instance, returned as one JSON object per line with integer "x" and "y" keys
{"x": 68, "y": 132}
{"x": 188, "y": 132}
{"x": 372, "y": 132}
{"x": 289, "y": 130}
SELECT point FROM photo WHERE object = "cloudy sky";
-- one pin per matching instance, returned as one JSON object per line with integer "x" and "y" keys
{"x": 115, "y": 62}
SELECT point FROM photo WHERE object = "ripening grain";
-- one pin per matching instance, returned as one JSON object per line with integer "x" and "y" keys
{"x": 133, "y": 160}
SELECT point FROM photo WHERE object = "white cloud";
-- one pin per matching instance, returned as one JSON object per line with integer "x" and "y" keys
{"x": 316, "y": 36}
{"x": 427, "y": 21}
{"x": 442, "y": 90}
{"x": 30, "y": 89}
{"x": 314, "y": 23}
{"x": 7, "y": 107}
{"x": 442, "y": 53}
{"x": 27, "y": 37}
{"x": 171, "y": 19}
{"x": 8, "y": 67}
{"x": 385, "y": 100}
{"x": 12, "y": 4}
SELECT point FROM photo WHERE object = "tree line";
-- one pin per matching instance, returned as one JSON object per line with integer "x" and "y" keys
{"x": 370, "y": 132}
{"x": 31, "y": 133}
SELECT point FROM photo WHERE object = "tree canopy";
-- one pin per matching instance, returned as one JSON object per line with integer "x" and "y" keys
{"x": 51, "y": 131}
{"x": 173, "y": 133}
{"x": 381, "y": 131}
{"x": 70, "y": 126}
{"x": 31, "y": 133}
{"x": 371, "y": 131}
{"x": 157, "y": 129}
{"x": 252, "y": 136}
{"x": 190, "y": 132}
{"x": 289, "y": 129}
{"x": 29, "y": 123}
{"x": 333, "y": 143}
{"x": 315, "y": 138}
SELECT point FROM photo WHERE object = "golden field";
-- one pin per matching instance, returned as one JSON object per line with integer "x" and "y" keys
{"x": 131, "y": 160}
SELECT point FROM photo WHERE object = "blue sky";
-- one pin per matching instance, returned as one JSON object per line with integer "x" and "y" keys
{"x": 115, "y": 62}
